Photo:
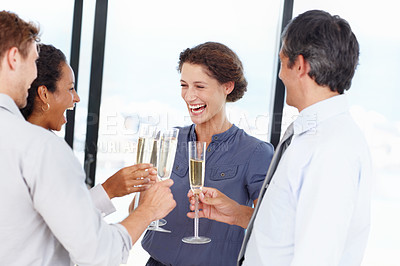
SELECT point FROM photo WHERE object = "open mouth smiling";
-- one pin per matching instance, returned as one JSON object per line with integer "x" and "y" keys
{"x": 70, "y": 108}
{"x": 197, "y": 108}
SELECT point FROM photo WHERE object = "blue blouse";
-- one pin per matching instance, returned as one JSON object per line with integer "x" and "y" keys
{"x": 236, "y": 164}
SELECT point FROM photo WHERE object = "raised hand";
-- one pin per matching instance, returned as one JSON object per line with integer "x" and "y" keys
{"x": 135, "y": 178}
{"x": 217, "y": 206}
{"x": 155, "y": 204}
{"x": 158, "y": 199}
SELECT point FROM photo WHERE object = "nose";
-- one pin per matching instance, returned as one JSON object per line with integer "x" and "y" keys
{"x": 76, "y": 97}
{"x": 190, "y": 94}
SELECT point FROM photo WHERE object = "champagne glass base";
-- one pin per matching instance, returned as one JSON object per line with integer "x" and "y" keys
{"x": 158, "y": 229}
{"x": 161, "y": 222}
{"x": 196, "y": 240}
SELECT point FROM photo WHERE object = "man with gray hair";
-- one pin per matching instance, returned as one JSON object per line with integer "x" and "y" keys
{"x": 314, "y": 206}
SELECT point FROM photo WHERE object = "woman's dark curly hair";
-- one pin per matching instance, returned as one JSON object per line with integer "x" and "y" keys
{"x": 222, "y": 64}
{"x": 49, "y": 66}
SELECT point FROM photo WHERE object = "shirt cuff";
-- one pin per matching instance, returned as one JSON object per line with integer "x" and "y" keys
{"x": 127, "y": 242}
{"x": 101, "y": 200}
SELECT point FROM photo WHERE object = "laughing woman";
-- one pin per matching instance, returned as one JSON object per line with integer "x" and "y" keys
{"x": 236, "y": 163}
{"x": 50, "y": 95}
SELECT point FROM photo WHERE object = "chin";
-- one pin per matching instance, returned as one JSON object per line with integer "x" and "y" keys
{"x": 196, "y": 119}
{"x": 58, "y": 128}
{"x": 55, "y": 129}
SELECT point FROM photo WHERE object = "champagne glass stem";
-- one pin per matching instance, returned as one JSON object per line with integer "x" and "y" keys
{"x": 196, "y": 217}
{"x": 157, "y": 224}
{"x": 136, "y": 200}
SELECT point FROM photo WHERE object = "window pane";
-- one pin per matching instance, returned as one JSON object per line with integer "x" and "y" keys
{"x": 81, "y": 110}
{"x": 373, "y": 99}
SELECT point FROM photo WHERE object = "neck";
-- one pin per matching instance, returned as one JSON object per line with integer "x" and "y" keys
{"x": 7, "y": 81}
{"x": 205, "y": 131}
{"x": 316, "y": 94}
{"x": 38, "y": 120}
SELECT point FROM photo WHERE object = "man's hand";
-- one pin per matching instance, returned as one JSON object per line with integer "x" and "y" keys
{"x": 155, "y": 204}
{"x": 135, "y": 178}
{"x": 158, "y": 199}
{"x": 217, "y": 206}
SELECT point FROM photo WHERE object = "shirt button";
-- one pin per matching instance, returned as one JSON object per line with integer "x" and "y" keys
{"x": 222, "y": 174}
{"x": 209, "y": 149}
{"x": 177, "y": 167}
{"x": 215, "y": 138}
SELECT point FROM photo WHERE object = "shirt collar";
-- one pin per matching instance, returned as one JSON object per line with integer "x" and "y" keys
{"x": 217, "y": 137}
{"x": 8, "y": 103}
{"x": 310, "y": 117}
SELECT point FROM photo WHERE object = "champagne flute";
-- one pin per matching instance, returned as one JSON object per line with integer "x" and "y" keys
{"x": 153, "y": 160}
{"x": 144, "y": 148}
{"x": 166, "y": 157}
{"x": 197, "y": 165}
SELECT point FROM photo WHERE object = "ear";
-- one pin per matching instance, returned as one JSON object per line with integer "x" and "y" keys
{"x": 228, "y": 87}
{"x": 43, "y": 94}
{"x": 302, "y": 66}
{"x": 12, "y": 57}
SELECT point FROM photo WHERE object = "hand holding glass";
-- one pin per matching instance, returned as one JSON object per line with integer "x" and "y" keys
{"x": 197, "y": 166}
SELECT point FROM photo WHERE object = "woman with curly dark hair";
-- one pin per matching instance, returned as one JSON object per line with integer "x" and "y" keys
{"x": 51, "y": 94}
{"x": 236, "y": 163}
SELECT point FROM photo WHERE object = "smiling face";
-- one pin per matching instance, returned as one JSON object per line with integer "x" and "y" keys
{"x": 62, "y": 99}
{"x": 205, "y": 97}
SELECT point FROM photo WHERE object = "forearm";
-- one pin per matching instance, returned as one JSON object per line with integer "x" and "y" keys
{"x": 243, "y": 216}
{"x": 137, "y": 222}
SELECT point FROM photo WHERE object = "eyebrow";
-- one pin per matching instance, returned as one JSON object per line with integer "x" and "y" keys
{"x": 196, "y": 82}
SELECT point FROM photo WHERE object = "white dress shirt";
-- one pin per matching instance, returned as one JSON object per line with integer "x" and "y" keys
{"x": 101, "y": 200}
{"x": 316, "y": 210}
{"x": 48, "y": 217}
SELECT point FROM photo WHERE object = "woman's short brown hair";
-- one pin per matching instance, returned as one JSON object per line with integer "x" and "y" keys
{"x": 222, "y": 64}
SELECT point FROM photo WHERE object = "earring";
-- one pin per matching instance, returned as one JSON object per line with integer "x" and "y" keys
{"x": 48, "y": 107}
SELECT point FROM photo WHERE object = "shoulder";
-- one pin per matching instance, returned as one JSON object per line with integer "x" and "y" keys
{"x": 253, "y": 143}
{"x": 184, "y": 131}
{"x": 183, "y": 138}
{"x": 32, "y": 145}
{"x": 341, "y": 137}
{"x": 46, "y": 145}
{"x": 27, "y": 134}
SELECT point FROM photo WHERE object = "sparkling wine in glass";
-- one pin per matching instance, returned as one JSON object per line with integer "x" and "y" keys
{"x": 147, "y": 133}
{"x": 166, "y": 156}
{"x": 153, "y": 160}
{"x": 197, "y": 165}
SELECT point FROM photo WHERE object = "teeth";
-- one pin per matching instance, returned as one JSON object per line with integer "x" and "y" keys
{"x": 197, "y": 112}
{"x": 196, "y": 106}
{"x": 71, "y": 108}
